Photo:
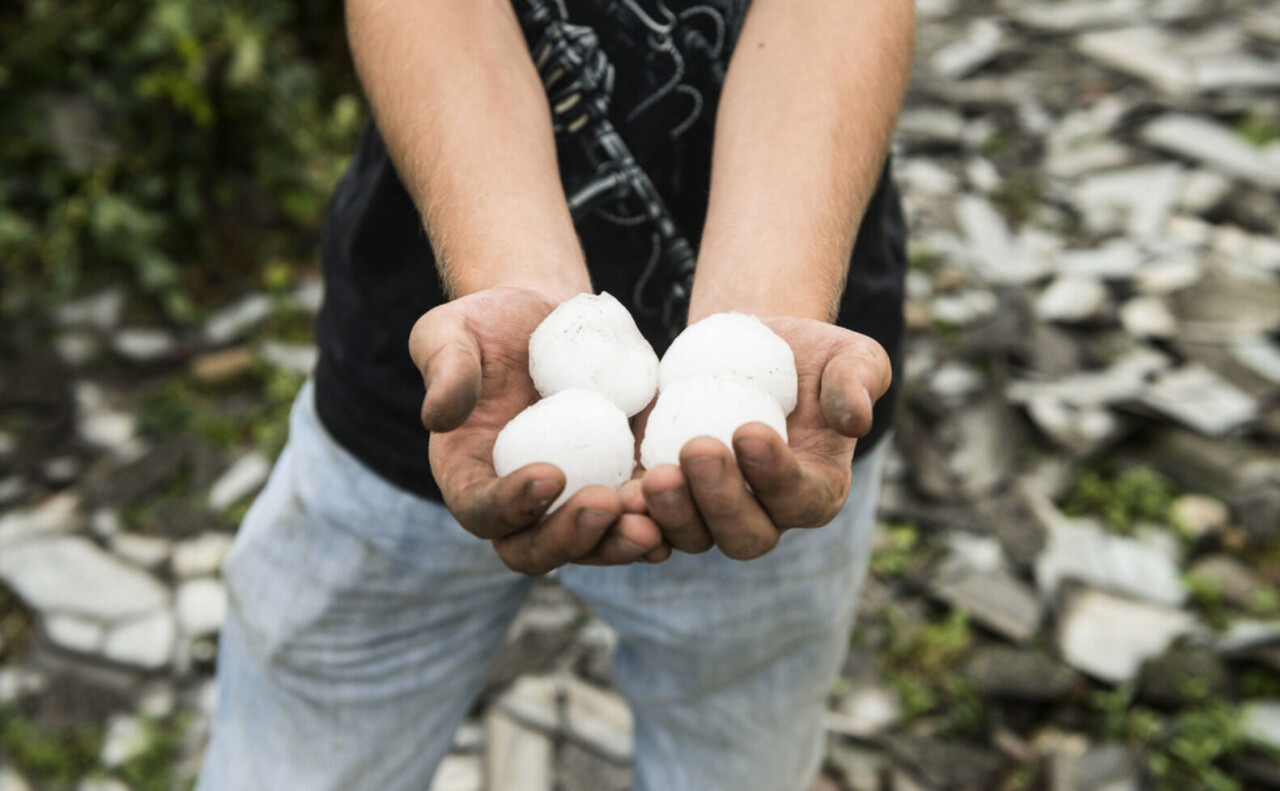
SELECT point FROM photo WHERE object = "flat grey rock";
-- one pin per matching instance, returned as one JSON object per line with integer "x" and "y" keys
{"x": 979, "y": 44}
{"x": 1213, "y": 145}
{"x": 994, "y": 598}
{"x": 1073, "y": 299}
{"x": 459, "y": 773}
{"x": 598, "y": 720}
{"x": 1086, "y": 553}
{"x": 234, "y": 321}
{"x": 145, "y": 642}
{"x": 1109, "y": 637}
{"x": 71, "y": 575}
{"x": 241, "y": 479}
{"x": 201, "y": 606}
{"x": 1201, "y": 400}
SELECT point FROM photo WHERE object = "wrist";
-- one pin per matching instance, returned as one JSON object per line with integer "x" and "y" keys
{"x": 763, "y": 289}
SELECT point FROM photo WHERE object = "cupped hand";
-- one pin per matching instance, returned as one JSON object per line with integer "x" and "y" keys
{"x": 473, "y": 353}
{"x": 743, "y": 506}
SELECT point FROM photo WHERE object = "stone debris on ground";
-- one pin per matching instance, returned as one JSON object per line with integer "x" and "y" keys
{"x": 1082, "y": 504}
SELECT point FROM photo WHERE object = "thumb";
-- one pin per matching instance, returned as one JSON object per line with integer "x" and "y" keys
{"x": 448, "y": 356}
{"x": 855, "y": 376}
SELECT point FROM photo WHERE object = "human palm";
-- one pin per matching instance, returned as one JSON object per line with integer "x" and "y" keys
{"x": 473, "y": 354}
{"x": 742, "y": 505}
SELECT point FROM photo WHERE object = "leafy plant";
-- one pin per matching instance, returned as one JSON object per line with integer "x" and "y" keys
{"x": 1134, "y": 495}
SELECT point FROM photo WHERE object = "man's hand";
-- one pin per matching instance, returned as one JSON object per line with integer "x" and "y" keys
{"x": 474, "y": 357}
{"x": 706, "y": 501}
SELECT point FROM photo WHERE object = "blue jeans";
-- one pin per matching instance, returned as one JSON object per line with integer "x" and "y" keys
{"x": 363, "y": 621}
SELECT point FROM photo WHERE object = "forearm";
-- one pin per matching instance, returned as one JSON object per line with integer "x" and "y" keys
{"x": 467, "y": 124}
{"x": 804, "y": 122}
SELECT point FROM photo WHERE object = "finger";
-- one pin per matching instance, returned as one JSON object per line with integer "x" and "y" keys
{"x": 448, "y": 357}
{"x": 632, "y": 538}
{"x": 658, "y": 555}
{"x": 572, "y": 531}
{"x": 740, "y": 527}
{"x": 853, "y": 379}
{"x": 670, "y": 504}
{"x": 794, "y": 495}
{"x": 632, "y": 496}
{"x": 493, "y": 507}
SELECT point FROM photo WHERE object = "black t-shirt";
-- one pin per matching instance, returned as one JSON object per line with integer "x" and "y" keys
{"x": 380, "y": 273}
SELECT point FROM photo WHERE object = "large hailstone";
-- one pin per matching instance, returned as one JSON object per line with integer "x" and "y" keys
{"x": 712, "y": 406}
{"x": 580, "y": 431}
{"x": 592, "y": 342}
{"x": 738, "y": 345}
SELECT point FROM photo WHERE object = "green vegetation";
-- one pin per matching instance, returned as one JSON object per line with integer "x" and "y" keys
{"x": 180, "y": 145}
{"x": 1259, "y": 128}
{"x": 55, "y": 759}
{"x": 152, "y": 769}
{"x": 1134, "y": 495}
{"x": 1184, "y": 751}
{"x": 894, "y": 556}
{"x": 920, "y": 662}
{"x": 1019, "y": 197}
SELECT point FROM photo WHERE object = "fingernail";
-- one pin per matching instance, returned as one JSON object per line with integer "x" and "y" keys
{"x": 706, "y": 470}
{"x": 591, "y": 520}
{"x": 541, "y": 492}
{"x": 753, "y": 452}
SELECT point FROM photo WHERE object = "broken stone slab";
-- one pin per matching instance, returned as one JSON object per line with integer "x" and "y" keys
{"x": 1083, "y": 430}
{"x": 1103, "y": 767}
{"x": 1198, "y": 515}
{"x": 1213, "y": 145}
{"x": 222, "y": 366}
{"x": 533, "y": 701}
{"x": 100, "y": 311}
{"x": 1073, "y": 299}
{"x": 1260, "y": 353}
{"x": 1256, "y": 500}
{"x": 200, "y": 556}
{"x": 519, "y": 758}
{"x": 578, "y": 769}
{"x": 201, "y": 606}
{"x": 1081, "y": 551}
{"x": 57, "y": 514}
{"x": 74, "y": 633}
{"x": 1116, "y": 260}
{"x": 1201, "y": 400}
{"x": 598, "y": 720}
{"x": 1109, "y": 636}
{"x": 1183, "y": 676}
{"x": 240, "y": 480}
{"x": 143, "y": 345}
{"x": 862, "y": 768}
{"x": 1076, "y": 15}
{"x": 1226, "y": 306}
{"x": 979, "y": 45}
{"x": 1141, "y": 52}
{"x": 868, "y": 709}
{"x": 967, "y": 455}
{"x": 997, "y": 256}
{"x": 994, "y": 598}
{"x": 236, "y": 320}
{"x": 965, "y": 308}
{"x": 945, "y": 764}
{"x": 1018, "y": 673}
{"x": 459, "y": 773}
{"x": 296, "y": 358}
{"x": 146, "y": 642}
{"x": 931, "y": 126}
{"x": 105, "y": 588}
{"x": 1233, "y": 580}
{"x": 1148, "y": 317}
{"x": 125, "y": 738}
{"x": 147, "y": 552}
{"x": 10, "y": 780}
{"x": 1169, "y": 274}
{"x": 1261, "y": 722}
{"x": 1137, "y": 200}
{"x": 1203, "y": 191}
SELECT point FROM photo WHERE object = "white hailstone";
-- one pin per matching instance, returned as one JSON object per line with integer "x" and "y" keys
{"x": 705, "y": 406}
{"x": 592, "y": 342}
{"x": 580, "y": 431}
{"x": 733, "y": 344}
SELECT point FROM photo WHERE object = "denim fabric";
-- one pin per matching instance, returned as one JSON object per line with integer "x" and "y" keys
{"x": 363, "y": 621}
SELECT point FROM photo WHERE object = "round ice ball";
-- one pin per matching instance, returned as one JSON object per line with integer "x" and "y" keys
{"x": 733, "y": 344}
{"x": 583, "y": 433}
{"x": 710, "y": 406}
{"x": 592, "y": 342}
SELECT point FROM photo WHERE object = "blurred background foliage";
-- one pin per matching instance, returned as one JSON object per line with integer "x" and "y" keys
{"x": 178, "y": 145}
